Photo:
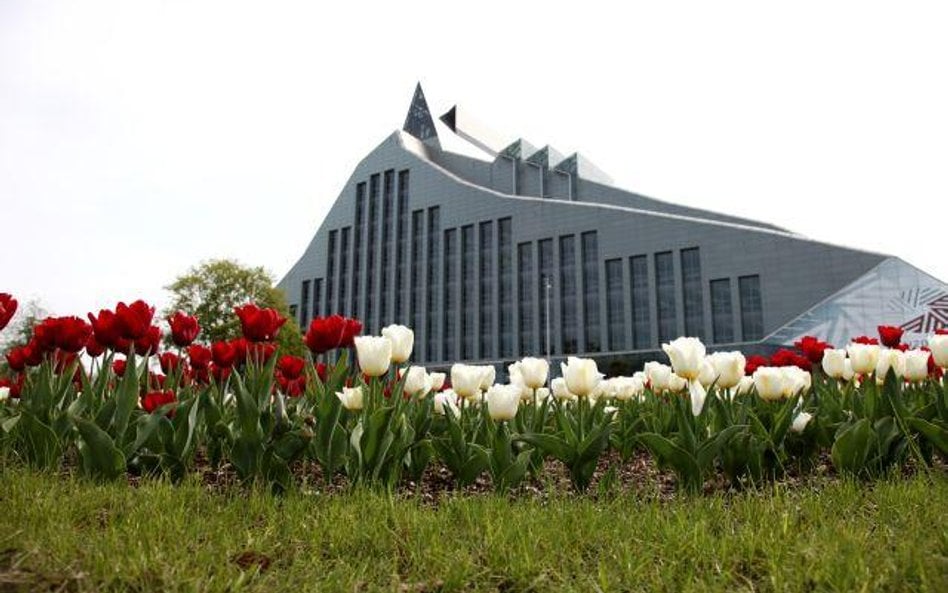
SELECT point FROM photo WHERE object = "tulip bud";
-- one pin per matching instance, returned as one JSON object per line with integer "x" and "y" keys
{"x": 728, "y": 368}
{"x": 446, "y": 400}
{"x": 834, "y": 363}
{"x": 4, "y": 394}
{"x": 466, "y": 380}
{"x": 417, "y": 381}
{"x": 502, "y": 402}
{"x": 939, "y": 345}
{"x": 658, "y": 375}
{"x": 686, "y": 355}
{"x": 769, "y": 382}
{"x": 351, "y": 398}
{"x": 403, "y": 340}
{"x": 437, "y": 381}
{"x": 581, "y": 374}
{"x": 800, "y": 421}
{"x": 534, "y": 372}
{"x": 743, "y": 387}
{"x": 916, "y": 365}
{"x": 375, "y": 354}
{"x": 864, "y": 357}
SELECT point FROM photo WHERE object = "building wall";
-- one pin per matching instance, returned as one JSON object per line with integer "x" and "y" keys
{"x": 794, "y": 273}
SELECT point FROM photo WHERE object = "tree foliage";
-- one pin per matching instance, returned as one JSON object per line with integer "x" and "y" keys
{"x": 212, "y": 289}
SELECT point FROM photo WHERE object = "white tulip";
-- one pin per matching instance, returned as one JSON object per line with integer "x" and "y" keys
{"x": 488, "y": 374}
{"x": 446, "y": 400}
{"x": 708, "y": 373}
{"x": 848, "y": 372}
{"x": 609, "y": 410}
{"x": 864, "y": 357}
{"x": 834, "y": 363}
{"x": 502, "y": 401}
{"x": 769, "y": 382}
{"x": 698, "y": 395}
{"x": 795, "y": 381}
{"x": 939, "y": 345}
{"x": 606, "y": 389}
{"x": 437, "y": 381}
{"x": 677, "y": 384}
{"x": 561, "y": 391}
{"x": 916, "y": 365}
{"x": 466, "y": 380}
{"x": 403, "y": 340}
{"x": 417, "y": 381}
{"x": 743, "y": 387}
{"x": 686, "y": 355}
{"x": 542, "y": 393}
{"x": 375, "y": 354}
{"x": 4, "y": 394}
{"x": 800, "y": 421}
{"x": 890, "y": 358}
{"x": 351, "y": 398}
{"x": 658, "y": 375}
{"x": 581, "y": 374}
{"x": 535, "y": 371}
{"x": 627, "y": 388}
{"x": 728, "y": 368}
{"x": 515, "y": 376}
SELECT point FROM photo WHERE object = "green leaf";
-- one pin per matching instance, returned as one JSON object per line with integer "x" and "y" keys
{"x": 935, "y": 434}
{"x": 101, "y": 458}
{"x": 850, "y": 451}
{"x": 549, "y": 444}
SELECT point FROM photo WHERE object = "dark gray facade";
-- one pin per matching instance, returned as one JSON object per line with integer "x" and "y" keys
{"x": 489, "y": 258}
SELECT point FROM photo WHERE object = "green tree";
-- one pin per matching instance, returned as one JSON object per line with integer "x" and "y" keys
{"x": 212, "y": 289}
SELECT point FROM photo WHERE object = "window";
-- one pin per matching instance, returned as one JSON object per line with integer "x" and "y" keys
{"x": 317, "y": 297}
{"x": 525, "y": 298}
{"x": 385, "y": 315}
{"x": 401, "y": 241}
{"x": 592, "y": 329}
{"x": 330, "y": 273}
{"x": 344, "y": 271}
{"x": 505, "y": 287}
{"x": 370, "y": 283}
{"x": 691, "y": 287}
{"x": 568, "y": 323}
{"x": 641, "y": 316}
{"x": 417, "y": 244}
{"x": 431, "y": 326}
{"x": 304, "y": 304}
{"x": 752, "y": 313}
{"x": 722, "y": 319}
{"x": 545, "y": 292}
{"x": 450, "y": 306}
{"x": 665, "y": 296}
{"x": 487, "y": 289}
{"x": 358, "y": 229}
{"x": 468, "y": 306}
{"x": 615, "y": 304}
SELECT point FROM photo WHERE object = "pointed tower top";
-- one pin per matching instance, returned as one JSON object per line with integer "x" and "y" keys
{"x": 418, "y": 122}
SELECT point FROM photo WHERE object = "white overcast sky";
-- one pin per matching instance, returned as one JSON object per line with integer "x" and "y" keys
{"x": 138, "y": 138}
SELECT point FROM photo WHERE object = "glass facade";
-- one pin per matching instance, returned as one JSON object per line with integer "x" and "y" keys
{"x": 505, "y": 287}
{"x": 722, "y": 318}
{"x": 317, "y": 297}
{"x": 487, "y": 289}
{"x": 545, "y": 293}
{"x": 641, "y": 315}
{"x": 450, "y": 304}
{"x": 344, "y": 271}
{"x": 304, "y": 301}
{"x": 691, "y": 292}
{"x": 417, "y": 245}
{"x": 568, "y": 325}
{"x": 388, "y": 183}
{"x": 432, "y": 308}
{"x": 358, "y": 230}
{"x": 752, "y": 312}
{"x": 468, "y": 305}
{"x": 331, "y": 274}
{"x": 370, "y": 282}
{"x": 525, "y": 299}
{"x": 615, "y": 304}
{"x": 593, "y": 325}
{"x": 665, "y": 296}
{"x": 401, "y": 247}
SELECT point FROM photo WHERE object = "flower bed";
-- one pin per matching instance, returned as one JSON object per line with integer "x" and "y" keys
{"x": 355, "y": 406}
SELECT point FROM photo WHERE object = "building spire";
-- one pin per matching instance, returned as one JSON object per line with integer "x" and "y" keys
{"x": 419, "y": 122}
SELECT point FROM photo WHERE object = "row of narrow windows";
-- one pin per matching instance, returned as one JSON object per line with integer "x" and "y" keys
{"x": 456, "y": 286}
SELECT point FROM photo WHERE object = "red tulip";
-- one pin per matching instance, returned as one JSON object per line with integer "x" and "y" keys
{"x": 903, "y": 347}
{"x": 789, "y": 358}
{"x": 753, "y": 362}
{"x": 220, "y": 373}
{"x": 321, "y": 371}
{"x": 812, "y": 348}
{"x": 155, "y": 399}
{"x": 148, "y": 344}
{"x": 66, "y": 333}
{"x": 16, "y": 359}
{"x": 943, "y": 331}
{"x": 352, "y": 329}
{"x": 291, "y": 386}
{"x": 169, "y": 362}
{"x": 106, "y": 328}
{"x": 184, "y": 329}
{"x": 33, "y": 354}
{"x": 240, "y": 347}
{"x": 94, "y": 348}
{"x": 223, "y": 354}
{"x": 291, "y": 366}
{"x": 16, "y": 387}
{"x": 328, "y": 333}
{"x": 8, "y": 306}
{"x": 199, "y": 356}
{"x": 261, "y": 352}
{"x": 118, "y": 367}
{"x": 134, "y": 321}
{"x": 891, "y": 335}
{"x": 259, "y": 325}
{"x": 865, "y": 340}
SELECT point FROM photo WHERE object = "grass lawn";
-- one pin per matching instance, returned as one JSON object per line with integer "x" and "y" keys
{"x": 66, "y": 534}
